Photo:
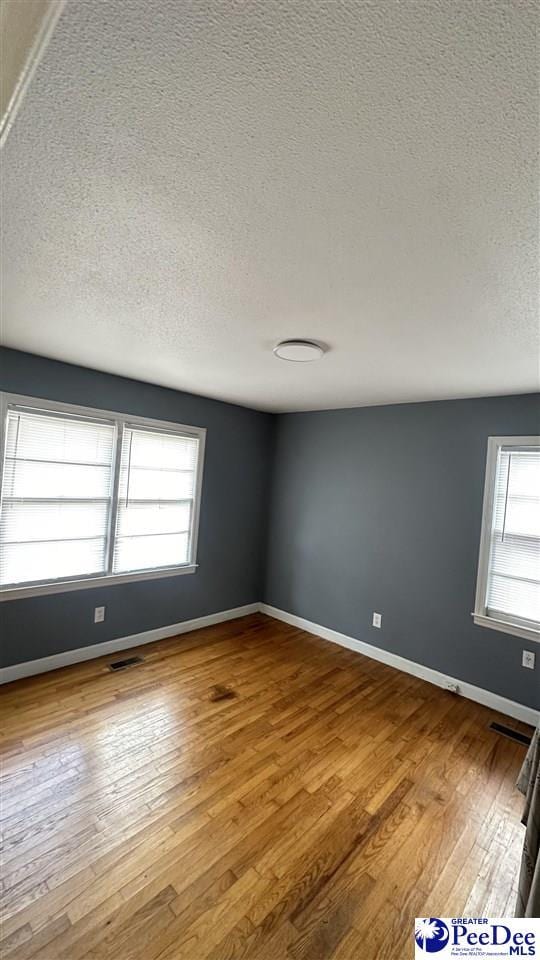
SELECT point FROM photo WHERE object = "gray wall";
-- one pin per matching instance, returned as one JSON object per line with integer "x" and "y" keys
{"x": 232, "y": 532}
{"x": 369, "y": 509}
{"x": 380, "y": 509}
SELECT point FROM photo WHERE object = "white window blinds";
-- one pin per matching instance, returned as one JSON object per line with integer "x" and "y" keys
{"x": 56, "y": 497}
{"x": 88, "y": 496}
{"x": 513, "y": 575}
{"x": 156, "y": 496}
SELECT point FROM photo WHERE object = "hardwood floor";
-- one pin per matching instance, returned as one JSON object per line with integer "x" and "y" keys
{"x": 311, "y": 816}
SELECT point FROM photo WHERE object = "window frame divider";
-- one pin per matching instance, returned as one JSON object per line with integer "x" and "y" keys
{"x": 113, "y": 509}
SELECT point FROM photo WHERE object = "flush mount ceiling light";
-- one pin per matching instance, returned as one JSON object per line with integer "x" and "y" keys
{"x": 299, "y": 351}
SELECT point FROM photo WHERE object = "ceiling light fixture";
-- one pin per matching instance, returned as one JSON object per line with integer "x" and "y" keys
{"x": 299, "y": 351}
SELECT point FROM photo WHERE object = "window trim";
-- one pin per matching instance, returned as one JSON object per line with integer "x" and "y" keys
{"x": 43, "y": 588}
{"x": 480, "y": 614}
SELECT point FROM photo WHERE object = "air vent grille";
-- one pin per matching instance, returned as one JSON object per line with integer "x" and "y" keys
{"x": 510, "y": 733}
{"x": 122, "y": 664}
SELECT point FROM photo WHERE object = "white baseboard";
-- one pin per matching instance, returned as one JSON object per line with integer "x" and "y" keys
{"x": 32, "y": 667}
{"x": 485, "y": 697}
{"x": 478, "y": 694}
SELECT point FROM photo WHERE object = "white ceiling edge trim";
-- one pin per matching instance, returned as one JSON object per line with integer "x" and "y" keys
{"x": 27, "y": 28}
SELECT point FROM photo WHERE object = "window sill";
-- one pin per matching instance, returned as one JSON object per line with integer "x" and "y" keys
{"x": 514, "y": 629}
{"x": 42, "y": 589}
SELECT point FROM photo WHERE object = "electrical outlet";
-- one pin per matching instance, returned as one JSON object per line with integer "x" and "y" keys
{"x": 528, "y": 659}
{"x": 377, "y": 618}
{"x": 99, "y": 614}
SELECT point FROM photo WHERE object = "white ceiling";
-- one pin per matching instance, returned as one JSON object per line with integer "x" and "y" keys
{"x": 188, "y": 182}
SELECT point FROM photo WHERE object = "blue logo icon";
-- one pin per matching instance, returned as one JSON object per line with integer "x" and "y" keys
{"x": 431, "y": 934}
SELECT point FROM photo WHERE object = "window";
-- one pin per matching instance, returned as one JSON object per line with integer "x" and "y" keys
{"x": 88, "y": 496}
{"x": 508, "y": 588}
{"x": 155, "y": 499}
{"x": 56, "y": 497}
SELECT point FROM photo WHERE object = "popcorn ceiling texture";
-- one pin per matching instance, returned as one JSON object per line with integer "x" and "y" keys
{"x": 189, "y": 182}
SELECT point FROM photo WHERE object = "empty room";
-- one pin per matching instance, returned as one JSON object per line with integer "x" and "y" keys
{"x": 270, "y": 479}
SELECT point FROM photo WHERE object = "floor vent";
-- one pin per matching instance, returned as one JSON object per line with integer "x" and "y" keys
{"x": 511, "y": 734}
{"x": 122, "y": 664}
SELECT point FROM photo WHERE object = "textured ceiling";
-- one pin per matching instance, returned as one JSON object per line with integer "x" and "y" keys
{"x": 189, "y": 182}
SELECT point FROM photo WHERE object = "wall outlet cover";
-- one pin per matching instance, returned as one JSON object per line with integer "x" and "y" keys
{"x": 528, "y": 659}
{"x": 99, "y": 614}
{"x": 377, "y": 619}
